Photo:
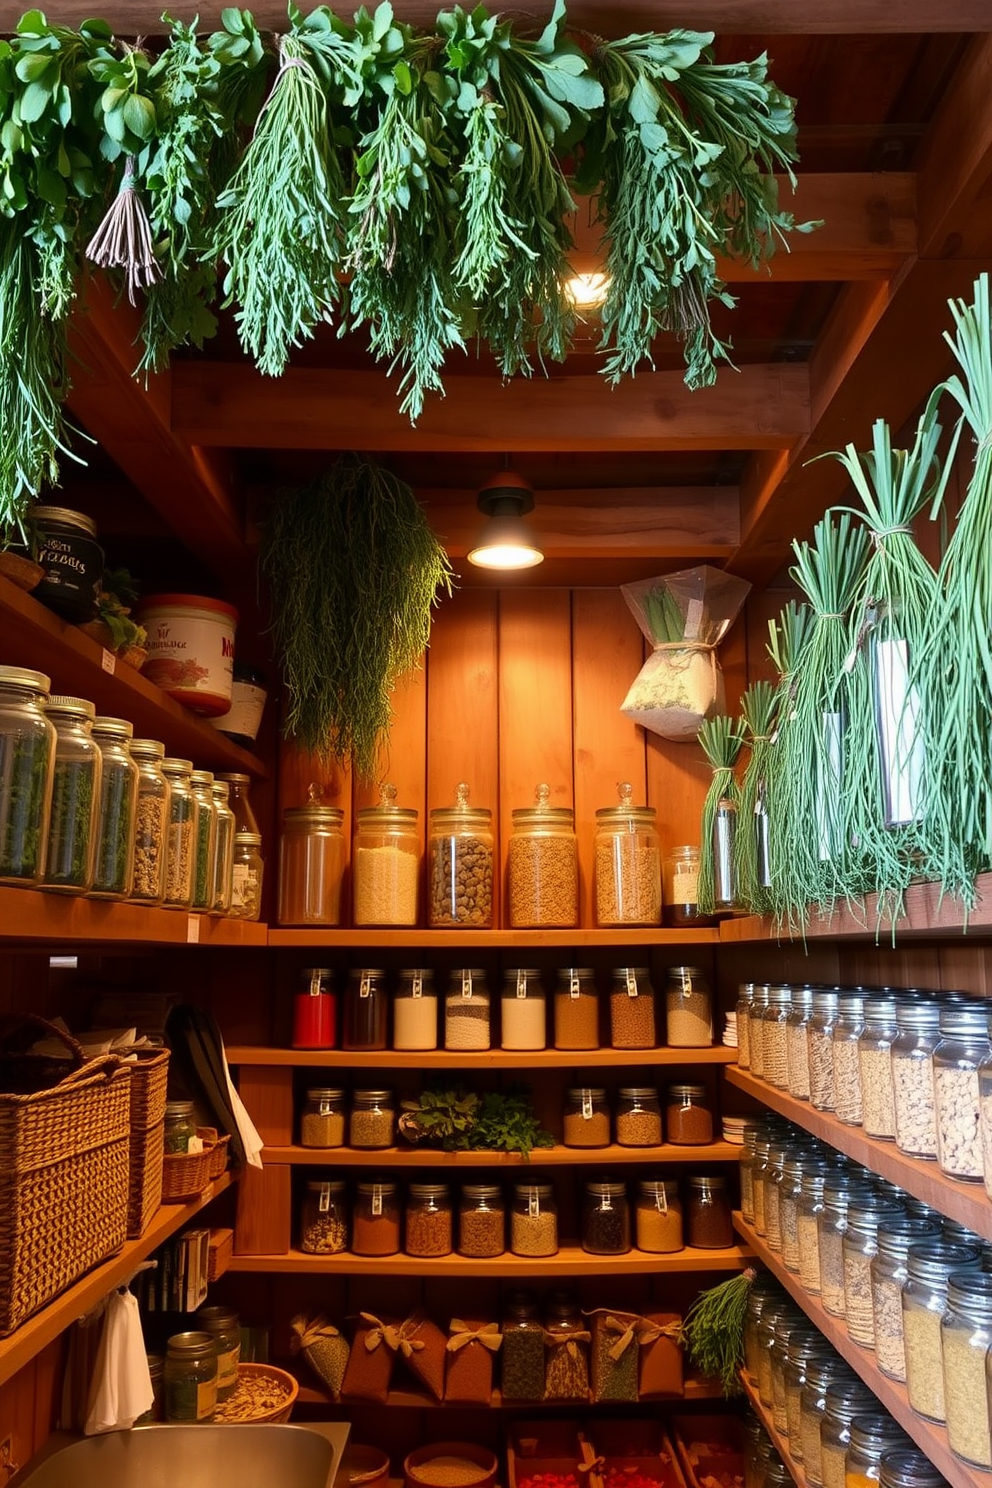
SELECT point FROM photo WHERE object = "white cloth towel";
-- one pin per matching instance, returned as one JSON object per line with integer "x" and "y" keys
{"x": 121, "y": 1389}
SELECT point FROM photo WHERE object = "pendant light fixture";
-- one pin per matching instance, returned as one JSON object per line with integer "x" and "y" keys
{"x": 505, "y": 541}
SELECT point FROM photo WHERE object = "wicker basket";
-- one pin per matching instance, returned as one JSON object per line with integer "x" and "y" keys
{"x": 218, "y": 1160}
{"x": 149, "y": 1078}
{"x": 231, "y": 1412}
{"x": 186, "y": 1174}
{"x": 63, "y": 1177}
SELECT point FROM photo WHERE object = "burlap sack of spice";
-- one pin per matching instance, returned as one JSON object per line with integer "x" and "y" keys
{"x": 420, "y": 1343}
{"x": 614, "y": 1354}
{"x": 566, "y": 1369}
{"x": 370, "y": 1359}
{"x": 659, "y": 1354}
{"x": 324, "y": 1347}
{"x": 471, "y": 1349}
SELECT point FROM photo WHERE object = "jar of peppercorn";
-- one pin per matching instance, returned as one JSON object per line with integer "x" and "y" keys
{"x": 605, "y": 1219}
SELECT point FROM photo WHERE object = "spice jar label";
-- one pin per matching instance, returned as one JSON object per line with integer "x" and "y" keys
{"x": 365, "y": 987}
{"x": 631, "y": 983}
{"x": 521, "y": 984}
{"x": 376, "y": 1202}
{"x": 315, "y": 983}
{"x": 587, "y": 1105}
{"x": 325, "y": 1198}
{"x": 193, "y": 930}
{"x": 573, "y": 987}
{"x": 661, "y": 1201}
{"x": 533, "y": 1207}
{"x": 417, "y": 986}
{"x": 108, "y": 661}
{"x": 466, "y": 984}
{"x": 324, "y": 1108}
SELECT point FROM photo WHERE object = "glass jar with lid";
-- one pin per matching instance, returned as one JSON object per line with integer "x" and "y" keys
{"x": 204, "y": 839}
{"x": 688, "y": 1009}
{"x": 224, "y": 1326}
{"x": 190, "y": 1378}
{"x": 797, "y": 1023}
{"x": 373, "y": 1119}
{"x": 797, "y": 1162}
{"x": 239, "y": 800}
{"x": 708, "y": 1219}
{"x": 759, "y": 1001}
{"x": 523, "y": 1349}
{"x": 533, "y": 1221}
{"x": 566, "y": 1340}
{"x": 848, "y": 1028}
{"x": 627, "y": 863}
{"x": 757, "y": 1450}
{"x": 871, "y": 1437}
{"x": 113, "y": 860}
{"x": 858, "y": 1246}
{"x": 246, "y": 876}
{"x": 466, "y": 1010}
{"x": 523, "y": 1010}
{"x": 375, "y": 1219}
{"x": 845, "y": 1400}
{"x": 875, "y": 1064}
{"x": 481, "y": 1221}
{"x": 75, "y": 796}
{"x": 543, "y": 865}
{"x": 820, "y": 1039}
{"x": 773, "y": 1036}
{"x": 763, "y": 1291}
{"x": 789, "y": 1333}
{"x": 224, "y": 856}
{"x": 688, "y": 1118}
{"x": 415, "y": 1010}
{"x": 632, "y": 1016}
{"x": 151, "y": 822}
{"x": 460, "y": 865}
{"x": 965, "y": 1336}
{"x": 838, "y": 1192}
{"x": 759, "y": 1172}
{"x": 658, "y": 1216}
{"x": 804, "y": 1344}
{"x": 638, "y": 1116}
{"x": 179, "y": 844}
{"x": 810, "y": 1205}
{"x": 924, "y": 1301}
{"x": 429, "y": 1228}
{"x": 365, "y": 1010}
{"x": 985, "y": 1114}
{"x": 322, "y": 1122}
{"x": 576, "y": 1009}
{"x": 888, "y": 1273}
{"x": 680, "y": 887}
{"x": 777, "y": 1475}
{"x": 778, "y": 1152}
{"x": 905, "y": 1467}
{"x": 963, "y": 1047}
{"x": 311, "y": 863}
{"x": 605, "y": 1218}
{"x": 746, "y": 1168}
{"x": 27, "y": 761}
{"x": 745, "y": 999}
{"x": 315, "y": 1007}
{"x": 916, "y": 1038}
{"x": 385, "y": 866}
{"x": 586, "y": 1120}
{"x": 775, "y": 1310}
{"x": 180, "y": 1126}
{"x": 821, "y": 1373}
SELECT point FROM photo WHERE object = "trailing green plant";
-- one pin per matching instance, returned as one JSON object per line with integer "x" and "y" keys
{"x": 721, "y": 739}
{"x": 713, "y": 1330}
{"x": 458, "y": 1120}
{"x": 354, "y": 570}
{"x": 759, "y": 706}
{"x": 113, "y": 609}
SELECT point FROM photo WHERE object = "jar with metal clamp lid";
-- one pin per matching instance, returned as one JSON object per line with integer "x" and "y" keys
{"x": 27, "y": 750}
{"x": 586, "y": 1120}
{"x": 688, "y": 1009}
{"x": 466, "y": 1010}
{"x": 632, "y": 1013}
{"x": 658, "y": 1216}
{"x": 460, "y": 865}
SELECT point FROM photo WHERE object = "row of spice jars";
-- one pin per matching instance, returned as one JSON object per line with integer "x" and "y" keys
{"x": 523, "y": 1010}
{"x": 375, "y": 1223}
{"x": 688, "y": 1119}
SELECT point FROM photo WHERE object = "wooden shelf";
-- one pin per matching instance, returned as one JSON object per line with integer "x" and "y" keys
{"x": 927, "y": 915}
{"x": 35, "y": 637}
{"x": 930, "y": 1438}
{"x": 965, "y": 1202}
{"x": 765, "y": 1417}
{"x": 491, "y": 1059}
{"x": 413, "y": 1399}
{"x": 491, "y": 940}
{"x": 541, "y": 1157}
{"x": 570, "y": 1261}
{"x": 58, "y": 919}
{"x": 31, "y": 1337}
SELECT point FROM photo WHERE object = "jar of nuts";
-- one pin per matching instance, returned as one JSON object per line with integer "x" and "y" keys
{"x": 324, "y": 1218}
{"x": 628, "y": 863}
{"x": 460, "y": 865}
{"x": 543, "y": 865}
{"x": 632, "y": 1023}
{"x": 916, "y": 1038}
{"x": 964, "y": 1045}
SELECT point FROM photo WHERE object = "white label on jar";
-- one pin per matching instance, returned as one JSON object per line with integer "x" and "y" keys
{"x": 315, "y": 983}
{"x": 365, "y": 987}
{"x": 533, "y": 1206}
{"x": 521, "y": 984}
{"x": 325, "y": 1107}
{"x": 417, "y": 986}
{"x": 376, "y": 1202}
{"x": 466, "y": 984}
{"x": 325, "y": 1198}
{"x": 193, "y": 930}
{"x": 574, "y": 987}
{"x": 242, "y": 882}
{"x": 108, "y": 661}
{"x": 631, "y": 983}
{"x": 587, "y": 1105}
{"x": 661, "y": 1201}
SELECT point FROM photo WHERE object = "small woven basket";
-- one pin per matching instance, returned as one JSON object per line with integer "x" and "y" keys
{"x": 218, "y": 1160}
{"x": 239, "y": 1411}
{"x": 186, "y": 1174}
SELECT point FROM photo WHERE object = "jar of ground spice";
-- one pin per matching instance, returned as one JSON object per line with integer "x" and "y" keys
{"x": 429, "y": 1220}
{"x": 373, "y": 1119}
{"x": 576, "y": 1009}
{"x": 566, "y": 1337}
{"x": 688, "y": 1009}
{"x": 638, "y": 1116}
{"x": 534, "y": 1220}
{"x": 365, "y": 1010}
{"x": 315, "y": 1009}
{"x": 658, "y": 1216}
{"x": 586, "y": 1121}
{"x": 324, "y": 1218}
{"x": 375, "y": 1228}
{"x": 385, "y": 865}
{"x": 523, "y": 1349}
{"x": 605, "y": 1218}
{"x": 708, "y": 1218}
{"x": 481, "y": 1221}
{"x": 523, "y": 1013}
{"x": 466, "y": 1011}
{"x": 543, "y": 865}
{"x": 151, "y": 823}
{"x": 688, "y": 1119}
{"x": 415, "y": 1010}
{"x": 632, "y": 1023}
{"x": 322, "y": 1122}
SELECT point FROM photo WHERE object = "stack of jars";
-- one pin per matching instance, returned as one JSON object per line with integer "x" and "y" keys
{"x": 200, "y": 1369}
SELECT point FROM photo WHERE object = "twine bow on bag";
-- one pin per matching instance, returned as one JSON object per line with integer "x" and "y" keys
{"x": 310, "y": 1328}
{"x": 461, "y": 1334}
{"x": 569, "y": 1341}
{"x": 388, "y": 1333}
{"x": 649, "y": 1332}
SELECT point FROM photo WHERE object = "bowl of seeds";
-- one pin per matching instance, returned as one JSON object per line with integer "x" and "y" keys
{"x": 263, "y": 1393}
{"x": 450, "y": 1465}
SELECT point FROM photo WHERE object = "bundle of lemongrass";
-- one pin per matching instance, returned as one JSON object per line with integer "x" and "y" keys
{"x": 752, "y": 845}
{"x": 721, "y": 738}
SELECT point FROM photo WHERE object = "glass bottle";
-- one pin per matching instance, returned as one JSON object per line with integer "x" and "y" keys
{"x": 680, "y": 888}
{"x": 688, "y": 1118}
{"x": 632, "y": 1016}
{"x": 523, "y": 1010}
{"x": 567, "y": 1350}
{"x": 543, "y": 865}
{"x": 179, "y": 847}
{"x": 523, "y": 1349}
{"x": 688, "y": 1009}
{"x": 745, "y": 1000}
{"x": 385, "y": 865}
{"x": 845, "y": 1400}
{"x": 481, "y": 1221}
{"x": 315, "y": 1009}
{"x": 586, "y": 1118}
{"x": 311, "y": 864}
{"x": 797, "y": 1023}
{"x": 628, "y": 863}
{"x": 708, "y": 1219}
{"x": 746, "y": 1167}
{"x": 807, "y": 1230}
{"x": 27, "y": 762}
{"x": 151, "y": 831}
{"x": 871, "y": 1437}
{"x": 373, "y": 1119}
{"x": 759, "y": 1001}
{"x": 415, "y": 1010}
{"x": 205, "y": 841}
{"x": 190, "y": 1378}
{"x": 460, "y": 865}
{"x": 246, "y": 877}
{"x": 375, "y": 1219}
{"x": 576, "y": 1009}
{"x": 820, "y": 1375}
{"x": 466, "y": 1011}
{"x": 924, "y": 1301}
{"x": 429, "y": 1228}
{"x": 533, "y": 1220}
{"x": 365, "y": 1010}
{"x": 113, "y": 862}
{"x": 773, "y": 1036}
{"x": 75, "y": 796}
{"x": 224, "y": 1327}
{"x": 821, "y": 1049}
{"x": 724, "y": 833}
{"x": 847, "y": 1074}
{"x": 964, "y": 1045}
{"x": 965, "y": 1336}
{"x": 238, "y": 797}
{"x": 658, "y": 1216}
{"x": 875, "y": 1065}
{"x": 638, "y": 1116}
{"x": 916, "y": 1038}
{"x": 322, "y": 1122}
{"x": 605, "y": 1218}
{"x": 888, "y": 1273}
{"x": 858, "y": 1247}
{"x": 224, "y": 855}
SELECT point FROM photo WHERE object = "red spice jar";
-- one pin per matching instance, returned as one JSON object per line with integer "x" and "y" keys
{"x": 688, "y": 1119}
{"x": 315, "y": 1010}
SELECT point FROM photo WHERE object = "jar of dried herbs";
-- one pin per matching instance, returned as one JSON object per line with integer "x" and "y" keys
{"x": 151, "y": 822}
{"x": 180, "y": 845}
{"x": 523, "y": 1349}
{"x": 113, "y": 866}
{"x": 179, "y": 1126}
{"x": 223, "y": 884}
{"x": 27, "y": 760}
{"x": 191, "y": 1378}
{"x": 605, "y": 1219}
{"x": 204, "y": 839}
{"x": 324, "y": 1218}
{"x": 223, "y": 1325}
{"x": 566, "y": 1367}
{"x": 481, "y": 1221}
{"x": 246, "y": 878}
{"x": 75, "y": 796}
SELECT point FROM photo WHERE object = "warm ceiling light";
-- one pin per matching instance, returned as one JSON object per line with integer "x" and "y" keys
{"x": 587, "y": 291}
{"x": 505, "y": 541}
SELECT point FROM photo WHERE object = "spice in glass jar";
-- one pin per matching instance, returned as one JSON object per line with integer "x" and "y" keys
{"x": 322, "y": 1123}
{"x": 205, "y": 841}
{"x": 27, "y": 758}
{"x": 466, "y": 1011}
{"x": 324, "y": 1218}
{"x": 576, "y": 1009}
{"x": 522, "y": 1010}
{"x": 688, "y": 1119}
{"x": 586, "y": 1122}
{"x": 533, "y": 1220}
{"x": 543, "y": 865}
{"x": 632, "y": 1023}
{"x": 429, "y": 1220}
{"x": 179, "y": 841}
{"x": 376, "y": 1220}
{"x": 708, "y": 1217}
{"x": 605, "y": 1219}
{"x": 481, "y": 1221}
{"x": 191, "y": 1378}
{"x": 372, "y": 1119}
{"x": 638, "y": 1117}
{"x": 75, "y": 796}
{"x": 688, "y": 1009}
{"x": 415, "y": 1010}
{"x": 659, "y": 1216}
{"x": 113, "y": 863}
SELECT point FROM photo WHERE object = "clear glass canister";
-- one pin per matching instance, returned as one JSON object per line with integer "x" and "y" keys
{"x": 375, "y": 1219}
{"x": 627, "y": 863}
{"x": 533, "y": 1221}
{"x": 872, "y": 1435}
{"x": 429, "y": 1225}
{"x": 763, "y": 1291}
{"x": 27, "y": 760}
{"x": 239, "y": 799}
{"x": 759, "y": 1001}
{"x": 838, "y": 1192}
{"x": 373, "y": 1119}
{"x": 543, "y": 865}
{"x": 75, "y": 796}
{"x": 964, "y": 1045}
{"x": 906, "y": 1467}
{"x": 746, "y": 1167}
{"x": 708, "y": 1219}
{"x": 759, "y": 1172}
{"x": 385, "y": 865}
{"x": 916, "y": 1038}
{"x": 810, "y": 1205}
{"x": 688, "y": 1118}
{"x": 246, "y": 876}
{"x": 586, "y": 1120}
{"x": 745, "y": 1000}
{"x": 576, "y": 1009}
{"x": 773, "y": 1036}
{"x": 859, "y": 1244}
{"x": 780, "y": 1149}
{"x": 632, "y": 1015}
{"x": 821, "y": 1373}
{"x": 224, "y": 855}
{"x": 205, "y": 840}
{"x": 820, "y": 1038}
{"x": 985, "y": 1114}
{"x": 638, "y": 1116}
{"x": 804, "y": 1345}
{"x": 658, "y": 1216}
{"x": 481, "y": 1221}
{"x": 322, "y": 1122}
{"x": 460, "y": 865}
{"x": 688, "y": 1008}
{"x": 315, "y": 1009}
{"x": 179, "y": 845}
{"x": 875, "y": 1063}
{"x": 190, "y": 1378}
{"x": 847, "y": 1071}
{"x": 223, "y": 1325}
{"x": 965, "y": 1336}
{"x": 466, "y": 1010}
{"x": 366, "y": 1008}
{"x": 180, "y": 1126}
{"x": 415, "y": 1010}
{"x": 523, "y": 1010}
{"x": 113, "y": 861}
{"x": 775, "y": 1310}
{"x": 888, "y": 1272}
{"x": 790, "y": 1197}
{"x": 924, "y": 1300}
{"x": 845, "y": 1400}
{"x": 797, "y": 1042}
{"x": 605, "y": 1218}
{"x": 151, "y": 829}
{"x": 680, "y": 887}
{"x": 522, "y": 1354}
{"x": 757, "y": 1451}
{"x": 311, "y": 865}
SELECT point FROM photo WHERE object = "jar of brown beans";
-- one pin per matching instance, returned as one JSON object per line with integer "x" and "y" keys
{"x": 687, "y": 1116}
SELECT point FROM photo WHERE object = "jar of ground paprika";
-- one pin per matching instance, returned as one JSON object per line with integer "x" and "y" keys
{"x": 688, "y": 1118}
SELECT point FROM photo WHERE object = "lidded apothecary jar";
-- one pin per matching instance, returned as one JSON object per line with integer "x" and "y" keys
{"x": 963, "y": 1047}
{"x": 820, "y": 1038}
{"x": 151, "y": 831}
{"x": 27, "y": 749}
{"x": 628, "y": 863}
{"x": 632, "y": 1016}
{"x": 204, "y": 840}
{"x": 365, "y": 1010}
{"x": 311, "y": 864}
{"x": 429, "y": 1226}
{"x": 688, "y": 1008}
{"x": 638, "y": 1117}
{"x": 708, "y": 1219}
{"x": 460, "y": 865}
{"x": 605, "y": 1218}
{"x": 113, "y": 859}
{"x": 543, "y": 865}
{"x": 75, "y": 796}
{"x": 385, "y": 865}
{"x": 415, "y": 1010}
{"x": 533, "y": 1220}
{"x": 223, "y": 888}
{"x": 179, "y": 843}
{"x": 523, "y": 1010}
{"x": 466, "y": 1010}
{"x": 586, "y": 1117}
{"x": 917, "y": 1035}
{"x": 373, "y": 1119}
{"x": 375, "y": 1219}
{"x": 576, "y": 1009}
{"x": 875, "y": 1062}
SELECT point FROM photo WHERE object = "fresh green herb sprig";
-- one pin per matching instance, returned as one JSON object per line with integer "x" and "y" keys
{"x": 664, "y": 616}
{"x": 721, "y": 739}
{"x": 458, "y": 1120}
{"x": 713, "y": 1330}
{"x": 758, "y": 710}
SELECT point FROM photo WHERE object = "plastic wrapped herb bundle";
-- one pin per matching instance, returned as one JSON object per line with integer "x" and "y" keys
{"x": 685, "y": 617}
{"x": 721, "y": 739}
{"x": 752, "y": 842}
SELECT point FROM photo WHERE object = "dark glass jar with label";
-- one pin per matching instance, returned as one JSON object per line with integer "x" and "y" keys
{"x": 688, "y": 1118}
{"x": 191, "y": 1378}
{"x": 708, "y": 1220}
{"x": 73, "y": 562}
{"x": 365, "y": 1010}
{"x": 605, "y": 1219}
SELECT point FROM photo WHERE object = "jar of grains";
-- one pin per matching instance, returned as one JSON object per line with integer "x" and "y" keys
{"x": 246, "y": 876}
{"x": 658, "y": 1216}
{"x": 204, "y": 840}
{"x": 523, "y": 1011}
{"x": 916, "y": 1038}
{"x": 906, "y": 1467}
{"x": 466, "y": 1010}
{"x": 385, "y": 865}
{"x": 788, "y": 1333}
{"x": 845, "y": 1400}
{"x": 523, "y": 1349}
{"x": 628, "y": 863}
{"x": 985, "y": 1114}
{"x": 638, "y": 1116}
{"x": 745, "y": 999}
{"x": 179, "y": 846}
{"x": 27, "y": 750}
{"x": 113, "y": 863}
{"x": 481, "y": 1221}
{"x": 847, "y": 1073}
{"x": 190, "y": 1378}
{"x": 223, "y": 887}
{"x": 373, "y": 1119}
{"x": 780, "y": 1149}
{"x": 315, "y": 1009}
{"x": 688, "y": 1119}
{"x": 429, "y": 1220}
{"x": 810, "y": 1204}
{"x": 533, "y": 1220}
{"x": 324, "y": 1218}
{"x": 311, "y": 863}
{"x": 75, "y": 796}
{"x": 632, "y": 1024}
{"x": 820, "y": 1038}
{"x": 772, "y": 1314}
{"x": 875, "y": 1063}
{"x": 821, "y": 1373}
{"x": 322, "y": 1122}
{"x": 759, "y": 1001}
{"x": 586, "y": 1121}
{"x": 688, "y": 1009}
{"x": 838, "y": 1192}
{"x": 762, "y": 1154}
{"x": 871, "y": 1437}
{"x": 415, "y": 1010}
{"x": 804, "y": 1345}
{"x": 858, "y": 1247}
{"x": 680, "y": 887}
{"x": 965, "y": 1336}
{"x": 460, "y": 865}
{"x": 365, "y": 1010}
{"x": 576, "y": 1009}
{"x": 924, "y": 1300}
{"x": 888, "y": 1272}
{"x": 797, "y": 1042}
{"x": 757, "y": 1451}
{"x": 543, "y": 865}
{"x": 773, "y": 1036}
{"x": 708, "y": 1220}
{"x": 151, "y": 822}
{"x": 790, "y": 1195}
{"x": 224, "y": 1327}
{"x": 605, "y": 1218}
{"x": 763, "y": 1291}
{"x": 746, "y": 1169}
{"x": 375, "y": 1229}
{"x": 964, "y": 1045}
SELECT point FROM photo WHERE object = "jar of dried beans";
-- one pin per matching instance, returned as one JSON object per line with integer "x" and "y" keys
{"x": 151, "y": 822}
{"x": 376, "y": 1220}
{"x": 820, "y": 1038}
{"x": 324, "y": 1218}
{"x": 632, "y": 1019}
{"x": 708, "y": 1219}
{"x": 875, "y": 1063}
{"x": 113, "y": 863}
{"x": 466, "y": 1010}
{"x": 605, "y": 1218}
{"x": 415, "y": 1010}
{"x": 586, "y": 1120}
{"x": 373, "y": 1119}
{"x": 924, "y": 1301}
{"x": 429, "y": 1220}
{"x": 460, "y": 865}
{"x": 888, "y": 1273}
{"x": 688, "y": 1118}
{"x": 533, "y": 1220}
{"x": 916, "y": 1038}
{"x": 75, "y": 796}
{"x": 638, "y": 1116}
{"x": 481, "y": 1221}
{"x": 963, "y": 1047}
{"x": 858, "y": 1246}
{"x": 688, "y": 1009}
{"x": 543, "y": 865}
{"x": 385, "y": 864}
{"x": 523, "y": 1014}
{"x": 27, "y": 753}
{"x": 797, "y": 1042}
{"x": 365, "y": 1010}
{"x": 658, "y": 1216}
{"x": 576, "y": 1009}
{"x": 847, "y": 1072}
{"x": 627, "y": 863}
{"x": 965, "y": 1336}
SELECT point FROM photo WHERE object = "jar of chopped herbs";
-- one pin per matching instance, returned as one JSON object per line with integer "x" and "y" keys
{"x": 27, "y": 759}
{"x": 182, "y": 822}
{"x": 523, "y": 1349}
{"x": 204, "y": 839}
{"x": 151, "y": 822}
{"x": 75, "y": 796}
{"x": 223, "y": 884}
{"x": 113, "y": 868}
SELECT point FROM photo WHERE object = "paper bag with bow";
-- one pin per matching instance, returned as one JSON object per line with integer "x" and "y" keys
{"x": 421, "y": 1346}
{"x": 370, "y": 1361}
{"x": 659, "y": 1355}
{"x": 614, "y": 1354}
{"x": 471, "y": 1349}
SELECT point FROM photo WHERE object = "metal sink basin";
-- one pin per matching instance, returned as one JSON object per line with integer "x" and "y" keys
{"x": 205, "y": 1456}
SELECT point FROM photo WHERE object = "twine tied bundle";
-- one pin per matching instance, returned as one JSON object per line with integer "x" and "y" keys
{"x": 399, "y": 1337}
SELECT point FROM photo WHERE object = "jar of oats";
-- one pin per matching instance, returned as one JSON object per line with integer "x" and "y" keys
{"x": 820, "y": 1038}
{"x": 810, "y": 1205}
{"x": 859, "y": 1244}
{"x": 627, "y": 863}
{"x": 916, "y": 1038}
{"x": 848, "y": 1028}
{"x": 888, "y": 1273}
{"x": 797, "y": 1042}
{"x": 543, "y": 865}
{"x": 875, "y": 1065}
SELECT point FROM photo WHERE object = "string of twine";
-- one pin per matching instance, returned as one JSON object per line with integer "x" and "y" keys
{"x": 286, "y": 63}
{"x": 879, "y": 534}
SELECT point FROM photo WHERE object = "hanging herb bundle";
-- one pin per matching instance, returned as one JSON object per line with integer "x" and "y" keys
{"x": 752, "y": 857}
{"x": 721, "y": 739}
{"x": 787, "y": 638}
{"x": 354, "y": 571}
{"x": 713, "y": 1330}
